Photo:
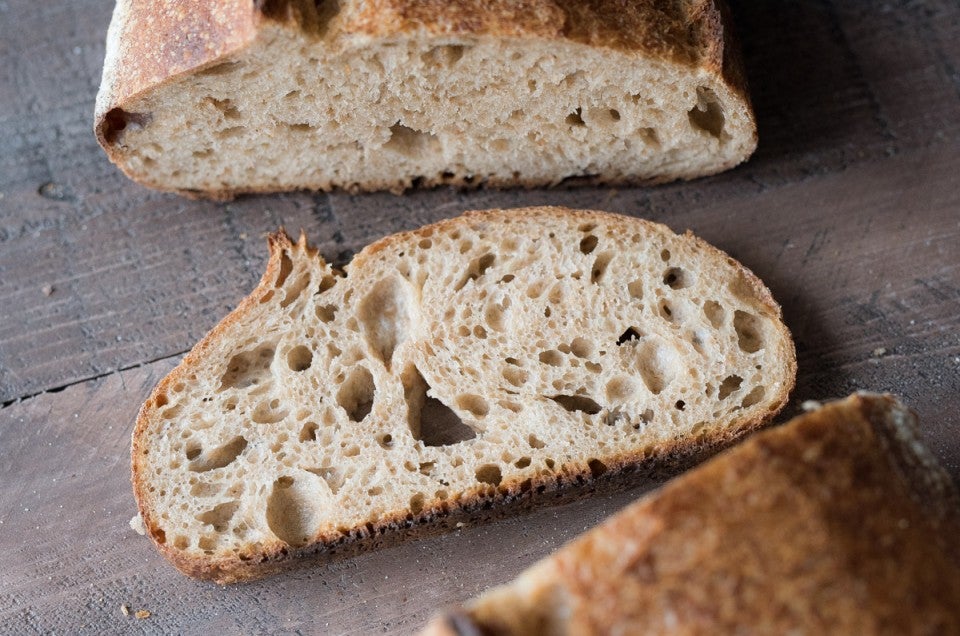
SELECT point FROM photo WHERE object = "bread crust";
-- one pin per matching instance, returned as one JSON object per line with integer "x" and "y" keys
{"x": 839, "y": 521}
{"x": 481, "y": 502}
{"x": 150, "y": 44}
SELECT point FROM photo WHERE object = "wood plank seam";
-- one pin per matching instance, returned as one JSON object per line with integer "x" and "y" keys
{"x": 23, "y": 398}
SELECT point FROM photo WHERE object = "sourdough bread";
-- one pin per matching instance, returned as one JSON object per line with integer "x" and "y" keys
{"x": 218, "y": 98}
{"x": 839, "y": 522}
{"x": 501, "y": 355}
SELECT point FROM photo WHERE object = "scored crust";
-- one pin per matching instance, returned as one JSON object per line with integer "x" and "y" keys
{"x": 483, "y": 502}
{"x": 151, "y": 44}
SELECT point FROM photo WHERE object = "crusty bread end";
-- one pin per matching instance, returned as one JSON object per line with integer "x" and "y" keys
{"x": 839, "y": 521}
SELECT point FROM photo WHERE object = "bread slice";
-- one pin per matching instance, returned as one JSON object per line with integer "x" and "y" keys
{"x": 235, "y": 96}
{"x": 502, "y": 355}
{"x": 839, "y": 522}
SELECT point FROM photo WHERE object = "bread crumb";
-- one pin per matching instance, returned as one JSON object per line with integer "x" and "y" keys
{"x": 125, "y": 610}
{"x": 810, "y": 405}
{"x": 47, "y": 290}
{"x": 142, "y": 614}
{"x": 879, "y": 352}
{"x": 136, "y": 524}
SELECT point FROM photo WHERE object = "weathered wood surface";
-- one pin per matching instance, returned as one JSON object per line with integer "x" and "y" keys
{"x": 849, "y": 210}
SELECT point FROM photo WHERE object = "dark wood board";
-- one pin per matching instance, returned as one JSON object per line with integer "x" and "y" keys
{"x": 849, "y": 210}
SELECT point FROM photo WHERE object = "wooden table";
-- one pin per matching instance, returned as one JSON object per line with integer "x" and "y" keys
{"x": 850, "y": 211}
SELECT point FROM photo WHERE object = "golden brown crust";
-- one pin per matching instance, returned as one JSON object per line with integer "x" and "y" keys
{"x": 483, "y": 502}
{"x": 838, "y": 522}
{"x": 152, "y": 43}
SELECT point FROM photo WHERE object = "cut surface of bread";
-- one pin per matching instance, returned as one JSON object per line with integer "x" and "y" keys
{"x": 838, "y": 522}
{"x": 495, "y": 356}
{"x": 218, "y": 98}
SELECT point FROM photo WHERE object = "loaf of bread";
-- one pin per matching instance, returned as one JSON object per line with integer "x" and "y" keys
{"x": 500, "y": 356}
{"x": 839, "y": 522}
{"x": 217, "y": 98}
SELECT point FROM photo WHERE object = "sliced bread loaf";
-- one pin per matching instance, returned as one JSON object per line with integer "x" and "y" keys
{"x": 500, "y": 355}
{"x": 237, "y": 96}
{"x": 839, "y": 522}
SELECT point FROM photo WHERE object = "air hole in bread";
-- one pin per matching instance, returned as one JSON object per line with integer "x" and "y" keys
{"x": 290, "y": 512}
{"x": 730, "y": 384}
{"x": 749, "y": 334}
{"x": 226, "y": 107}
{"x": 444, "y": 55}
{"x": 476, "y": 405}
{"x": 202, "y": 489}
{"x": 753, "y": 397}
{"x": 172, "y": 412}
{"x": 635, "y": 289}
{"x": 534, "y": 441}
{"x": 269, "y": 412}
{"x": 207, "y": 543}
{"x": 489, "y": 474}
{"x": 385, "y": 440}
{"x": 597, "y": 467}
{"x": 385, "y": 318}
{"x": 575, "y": 403}
{"x": 707, "y": 114}
{"x": 416, "y": 503}
{"x": 219, "y": 516}
{"x": 479, "y": 332}
{"x": 668, "y": 312}
{"x": 411, "y": 143}
{"x": 714, "y": 313}
{"x": 117, "y": 121}
{"x": 331, "y": 475}
{"x": 327, "y": 282}
{"x": 632, "y": 333}
{"x": 620, "y": 389}
{"x": 581, "y": 347}
{"x": 308, "y": 432}
{"x": 680, "y": 405}
{"x": 549, "y": 463}
{"x": 497, "y": 313}
{"x": 576, "y": 118}
{"x": 431, "y": 421}
{"x": 357, "y": 393}
{"x": 600, "y": 266}
{"x": 299, "y": 358}
{"x": 588, "y": 244}
{"x": 523, "y": 462}
{"x": 220, "y": 456}
{"x": 295, "y": 290}
{"x": 665, "y": 255}
{"x": 193, "y": 450}
{"x": 248, "y": 368}
{"x": 657, "y": 364}
{"x": 552, "y": 357}
{"x": 230, "y": 133}
{"x": 477, "y": 268}
{"x": 677, "y": 278}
